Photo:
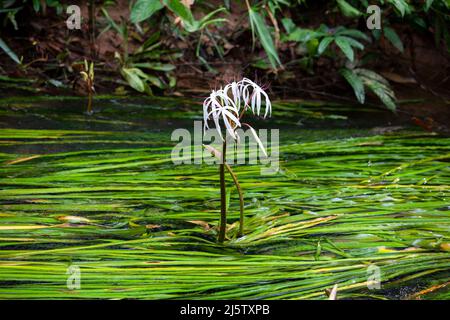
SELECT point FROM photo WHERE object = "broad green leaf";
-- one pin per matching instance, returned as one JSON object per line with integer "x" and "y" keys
{"x": 346, "y": 48}
{"x": 420, "y": 22}
{"x": 348, "y": 10}
{"x": 144, "y": 9}
{"x": 379, "y": 86}
{"x": 355, "y": 81}
{"x": 261, "y": 64}
{"x": 133, "y": 79}
{"x": 155, "y": 81}
{"x": 303, "y": 35}
{"x": 172, "y": 81}
{"x": 312, "y": 46}
{"x": 402, "y": 6}
{"x": 369, "y": 74}
{"x": 428, "y": 5}
{"x": 353, "y": 33}
{"x": 324, "y": 45}
{"x": 180, "y": 10}
{"x": 288, "y": 25}
{"x": 353, "y": 42}
{"x": 36, "y": 5}
{"x": 382, "y": 92}
{"x": 393, "y": 38}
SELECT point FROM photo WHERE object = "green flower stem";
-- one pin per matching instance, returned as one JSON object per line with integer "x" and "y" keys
{"x": 223, "y": 196}
{"x": 241, "y": 199}
{"x": 89, "y": 108}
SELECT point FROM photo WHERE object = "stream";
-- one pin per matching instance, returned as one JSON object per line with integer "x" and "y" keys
{"x": 93, "y": 207}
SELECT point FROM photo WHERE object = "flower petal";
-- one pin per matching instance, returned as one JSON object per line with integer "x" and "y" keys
{"x": 255, "y": 135}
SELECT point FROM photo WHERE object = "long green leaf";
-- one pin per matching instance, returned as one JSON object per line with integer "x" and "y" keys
{"x": 384, "y": 93}
{"x": 133, "y": 79}
{"x": 345, "y": 47}
{"x": 355, "y": 81}
{"x": 324, "y": 43}
{"x": 8, "y": 51}
{"x": 393, "y": 38}
{"x": 348, "y": 10}
{"x": 264, "y": 37}
{"x": 177, "y": 7}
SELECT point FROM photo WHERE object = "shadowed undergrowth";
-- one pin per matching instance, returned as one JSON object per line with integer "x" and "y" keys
{"x": 140, "y": 227}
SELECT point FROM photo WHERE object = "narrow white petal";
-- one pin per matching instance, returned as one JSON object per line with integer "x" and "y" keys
{"x": 224, "y": 105}
{"x": 253, "y": 103}
{"x": 260, "y": 144}
{"x": 258, "y": 102}
{"x": 230, "y": 129}
{"x": 268, "y": 106}
{"x": 229, "y": 115}
{"x": 219, "y": 130}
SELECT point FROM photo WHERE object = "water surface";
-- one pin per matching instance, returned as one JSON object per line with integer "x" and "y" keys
{"x": 101, "y": 193}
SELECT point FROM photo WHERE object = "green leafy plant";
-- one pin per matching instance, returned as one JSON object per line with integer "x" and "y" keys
{"x": 88, "y": 77}
{"x": 317, "y": 42}
{"x": 144, "y": 9}
{"x": 359, "y": 78}
{"x": 149, "y": 56}
{"x": 259, "y": 28}
{"x": 425, "y": 15}
{"x": 391, "y": 35}
{"x": 262, "y": 32}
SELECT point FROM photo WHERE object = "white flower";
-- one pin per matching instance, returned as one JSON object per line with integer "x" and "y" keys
{"x": 225, "y": 104}
{"x": 220, "y": 106}
{"x": 235, "y": 88}
{"x": 252, "y": 97}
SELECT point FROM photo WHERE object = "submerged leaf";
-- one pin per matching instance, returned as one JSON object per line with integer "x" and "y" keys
{"x": 74, "y": 219}
{"x": 22, "y": 159}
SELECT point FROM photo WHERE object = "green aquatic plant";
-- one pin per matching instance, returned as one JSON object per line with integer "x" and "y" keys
{"x": 359, "y": 78}
{"x": 229, "y": 106}
{"x": 88, "y": 77}
{"x": 111, "y": 202}
{"x": 147, "y": 66}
